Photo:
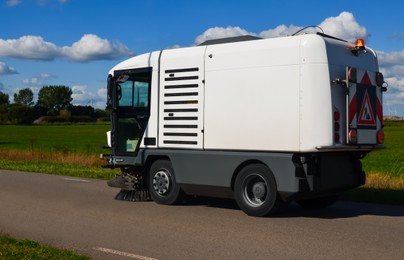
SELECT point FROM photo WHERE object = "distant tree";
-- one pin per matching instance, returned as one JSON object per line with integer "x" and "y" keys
{"x": 38, "y": 111}
{"x": 54, "y": 98}
{"x": 24, "y": 97}
{"x": 4, "y": 103}
{"x": 103, "y": 115}
{"x": 21, "y": 114}
{"x": 82, "y": 111}
{"x": 4, "y": 99}
{"x": 102, "y": 112}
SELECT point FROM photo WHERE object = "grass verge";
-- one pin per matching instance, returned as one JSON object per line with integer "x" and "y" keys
{"x": 379, "y": 188}
{"x": 11, "y": 248}
{"x": 58, "y": 163}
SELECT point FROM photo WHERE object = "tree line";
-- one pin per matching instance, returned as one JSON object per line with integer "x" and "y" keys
{"x": 53, "y": 105}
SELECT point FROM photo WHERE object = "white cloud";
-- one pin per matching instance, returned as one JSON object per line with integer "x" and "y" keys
{"x": 396, "y": 36}
{"x": 175, "y": 46}
{"x": 391, "y": 65}
{"x": 342, "y": 26}
{"x": 102, "y": 92}
{"x": 393, "y": 99}
{"x": 29, "y": 47}
{"x": 281, "y": 30}
{"x": 6, "y": 70}
{"x": 37, "y": 81}
{"x": 221, "y": 32}
{"x": 84, "y": 97}
{"x": 80, "y": 94}
{"x": 12, "y": 3}
{"x": 90, "y": 47}
{"x": 390, "y": 58}
{"x": 45, "y": 2}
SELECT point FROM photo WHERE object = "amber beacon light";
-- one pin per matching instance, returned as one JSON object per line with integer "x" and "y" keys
{"x": 359, "y": 47}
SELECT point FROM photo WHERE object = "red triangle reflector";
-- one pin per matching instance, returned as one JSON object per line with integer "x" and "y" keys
{"x": 365, "y": 79}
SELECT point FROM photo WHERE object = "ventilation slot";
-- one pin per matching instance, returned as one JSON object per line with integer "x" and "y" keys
{"x": 180, "y": 110}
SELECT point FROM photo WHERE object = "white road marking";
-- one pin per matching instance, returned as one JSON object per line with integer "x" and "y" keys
{"x": 78, "y": 180}
{"x": 116, "y": 252}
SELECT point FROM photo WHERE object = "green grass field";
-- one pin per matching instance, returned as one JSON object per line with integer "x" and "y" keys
{"x": 83, "y": 139}
{"x": 389, "y": 161}
{"x": 55, "y": 149}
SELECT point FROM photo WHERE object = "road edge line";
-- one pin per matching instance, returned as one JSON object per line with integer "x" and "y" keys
{"x": 121, "y": 253}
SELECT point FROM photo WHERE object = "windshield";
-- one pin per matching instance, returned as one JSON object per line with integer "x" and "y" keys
{"x": 133, "y": 94}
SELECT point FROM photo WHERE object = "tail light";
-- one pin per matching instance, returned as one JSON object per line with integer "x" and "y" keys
{"x": 380, "y": 137}
{"x": 353, "y": 136}
{"x": 337, "y": 126}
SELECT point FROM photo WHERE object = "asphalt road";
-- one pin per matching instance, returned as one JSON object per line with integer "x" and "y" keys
{"x": 81, "y": 214}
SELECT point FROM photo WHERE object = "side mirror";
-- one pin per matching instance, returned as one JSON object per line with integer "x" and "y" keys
{"x": 119, "y": 92}
{"x": 109, "y": 85}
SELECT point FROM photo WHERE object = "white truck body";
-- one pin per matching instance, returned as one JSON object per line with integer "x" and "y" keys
{"x": 265, "y": 98}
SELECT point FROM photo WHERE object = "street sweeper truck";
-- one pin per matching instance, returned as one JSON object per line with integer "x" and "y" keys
{"x": 263, "y": 121}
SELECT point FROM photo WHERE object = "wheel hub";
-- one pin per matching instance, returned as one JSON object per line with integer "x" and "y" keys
{"x": 254, "y": 190}
{"x": 161, "y": 182}
{"x": 258, "y": 190}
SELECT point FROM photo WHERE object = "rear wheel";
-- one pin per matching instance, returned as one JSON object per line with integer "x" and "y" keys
{"x": 318, "y": 203}
{"x": 163, "y": 187}
{"x": 256, "y": 192}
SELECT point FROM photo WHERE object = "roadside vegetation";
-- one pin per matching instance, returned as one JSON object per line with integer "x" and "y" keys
{"x": 73, "y": 149}
{"x": 384, "y": 170}
{"x": 53, "y": 106}
{"x": 11, "y": 248}
{"x": 55, "y": 149}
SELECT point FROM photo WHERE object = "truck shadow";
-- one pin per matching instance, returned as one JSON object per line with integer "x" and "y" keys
{"x": 341, "y": 209}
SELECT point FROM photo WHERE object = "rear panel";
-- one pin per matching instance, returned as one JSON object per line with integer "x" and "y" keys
{"x": 356, "y": 89}
{"x": 364, "y": 106}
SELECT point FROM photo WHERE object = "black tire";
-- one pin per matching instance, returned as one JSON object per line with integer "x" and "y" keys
{"x": 318, "y": 203}
{"x": 256, "y": 191}
{"x": 163, "y": 187}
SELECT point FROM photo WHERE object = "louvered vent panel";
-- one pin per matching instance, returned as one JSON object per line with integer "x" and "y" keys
{"x": 181, "y": 119}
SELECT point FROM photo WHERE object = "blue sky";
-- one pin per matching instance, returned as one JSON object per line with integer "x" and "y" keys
{"x": 76, "y": 42}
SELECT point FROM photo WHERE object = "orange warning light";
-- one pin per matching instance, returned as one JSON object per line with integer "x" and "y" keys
{"x": 360, "y": 44}
{"x": 359, "y": 47}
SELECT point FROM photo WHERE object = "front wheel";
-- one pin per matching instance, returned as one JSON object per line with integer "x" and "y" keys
{"x": 163, "y": 187}
{"x": 256, "y": 191}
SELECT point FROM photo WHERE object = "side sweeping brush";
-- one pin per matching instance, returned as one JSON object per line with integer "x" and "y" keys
{"x": 131, "y": 188}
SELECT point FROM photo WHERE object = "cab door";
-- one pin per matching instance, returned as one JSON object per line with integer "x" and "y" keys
{"x": 130, "y": 109}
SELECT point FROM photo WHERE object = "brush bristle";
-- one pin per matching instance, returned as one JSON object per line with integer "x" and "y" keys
{"x": 133, "y": 195}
